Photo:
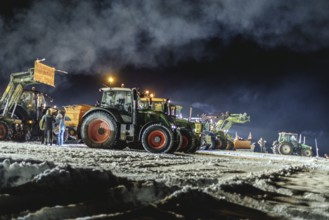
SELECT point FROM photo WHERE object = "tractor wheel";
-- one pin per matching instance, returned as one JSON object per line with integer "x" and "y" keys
{"x": 203, "y": 143}
{"x": 212, "y": 144}
{"x": 307, "y": 152}
{"x": 188, "y": 140}
{"x": 196, "y": 146}
{"x": 222, "y": 144}
{"x": 5, "y": 131}
{"x": 229, "y": 145}
{"x": 177, "y": 143}
{"x": 157, "y": 139}
{"x": 216, "y": 143}
{"x": 285, "y": 149}
{"x": 99, "y": 130}
{"x": 275, "y": 149}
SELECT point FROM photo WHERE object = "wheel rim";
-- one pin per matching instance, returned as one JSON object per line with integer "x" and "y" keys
{"x": 285, "y": 149}
{"x": 184, "y": 142}
{"x": 3, "y": 131}
{"x": 99, "y": 131}
{"x": 156, "y": 139}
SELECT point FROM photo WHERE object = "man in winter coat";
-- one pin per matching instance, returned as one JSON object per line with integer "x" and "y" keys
{"x": 47, "y": 124}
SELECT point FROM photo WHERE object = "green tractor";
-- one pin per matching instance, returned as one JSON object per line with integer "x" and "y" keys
{"x": 119, "y": 121}
{"x": 287, "y": 144}
{"x": 190, "y": 131}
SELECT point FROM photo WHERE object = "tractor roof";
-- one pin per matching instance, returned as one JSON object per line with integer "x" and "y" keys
{"x": 106, "y": 89}
{"x": 287, "y": 133}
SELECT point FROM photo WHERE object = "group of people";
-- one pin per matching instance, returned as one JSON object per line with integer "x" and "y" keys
{"x": 48, "y": 123}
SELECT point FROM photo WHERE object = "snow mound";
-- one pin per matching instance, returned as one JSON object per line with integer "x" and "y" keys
{"x": 17, "y": 173}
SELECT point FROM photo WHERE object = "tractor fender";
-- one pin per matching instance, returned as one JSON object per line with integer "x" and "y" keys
{"x": 111, "y": 112}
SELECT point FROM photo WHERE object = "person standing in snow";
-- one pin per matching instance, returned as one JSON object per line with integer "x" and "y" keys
{"x": 60, "y": 120}
{"x": 47, "y": 126}
{"x": 261, "y": 142}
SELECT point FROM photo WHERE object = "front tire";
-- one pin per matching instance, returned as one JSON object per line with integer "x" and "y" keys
{"x": 307, "y": 152}
{"x": 157, "y": 139}
{"x": 275, "y": 149}
{"x": 177, "y": 141}
{"x": 99, "y": 130}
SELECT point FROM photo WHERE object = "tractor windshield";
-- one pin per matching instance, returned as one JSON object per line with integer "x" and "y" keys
{"x": 30, "y": 99}
{"x": 121, "y": 100}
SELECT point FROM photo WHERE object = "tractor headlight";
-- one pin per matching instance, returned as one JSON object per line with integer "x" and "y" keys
{"x": 30, "y": 122}
{"x": 173, "y": 126}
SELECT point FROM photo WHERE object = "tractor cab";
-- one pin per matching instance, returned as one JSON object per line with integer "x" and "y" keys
{"x": 288, "y": 137}
{"x": 288, "y": 144}
{"x": 155, "y": 104}
{"x": 34, "y": 103}
{"x": 118, "y": 98}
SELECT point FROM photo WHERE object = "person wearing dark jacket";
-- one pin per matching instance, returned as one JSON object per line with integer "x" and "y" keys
{"x": 47, "y": 124}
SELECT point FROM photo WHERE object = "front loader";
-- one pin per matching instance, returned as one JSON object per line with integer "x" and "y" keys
{"x": 119, "y": 121}
{"x": 21, "y": 109}
{"x": 216, "y": 128}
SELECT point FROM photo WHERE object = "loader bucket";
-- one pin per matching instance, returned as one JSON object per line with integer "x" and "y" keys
{"x": 242, "y": 144}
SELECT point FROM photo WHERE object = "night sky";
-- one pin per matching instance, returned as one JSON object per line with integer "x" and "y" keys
{"x": 266, "y": 58}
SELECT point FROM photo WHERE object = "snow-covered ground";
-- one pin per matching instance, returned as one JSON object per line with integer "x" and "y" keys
{"x": 51, "y": 182}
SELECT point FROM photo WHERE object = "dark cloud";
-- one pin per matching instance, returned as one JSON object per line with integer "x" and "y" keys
{"x": 80, "y": 35}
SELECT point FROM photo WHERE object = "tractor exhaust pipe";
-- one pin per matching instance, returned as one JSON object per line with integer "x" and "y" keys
{"x": 316, "y": 147}
{"x": 135, "y": 106}
{"x": 190, "y": 116}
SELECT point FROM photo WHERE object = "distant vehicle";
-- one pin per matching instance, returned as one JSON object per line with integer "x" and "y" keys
{"x": 215, "y": 134}
{"x": 288, "y": 144}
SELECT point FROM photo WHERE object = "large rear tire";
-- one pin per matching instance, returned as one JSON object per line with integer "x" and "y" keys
{"x": 285, "y": 149}
{"x": 99, "y": 130}
{"x": 157, "y": 139}
{"x": 196, "y": 146}
{"x": 5, "y": 131}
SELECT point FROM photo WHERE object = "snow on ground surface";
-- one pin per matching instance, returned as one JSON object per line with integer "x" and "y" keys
{"x": 76, "y": 182}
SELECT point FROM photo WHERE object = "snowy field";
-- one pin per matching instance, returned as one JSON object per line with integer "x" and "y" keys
{"x": 76, "y": 182}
